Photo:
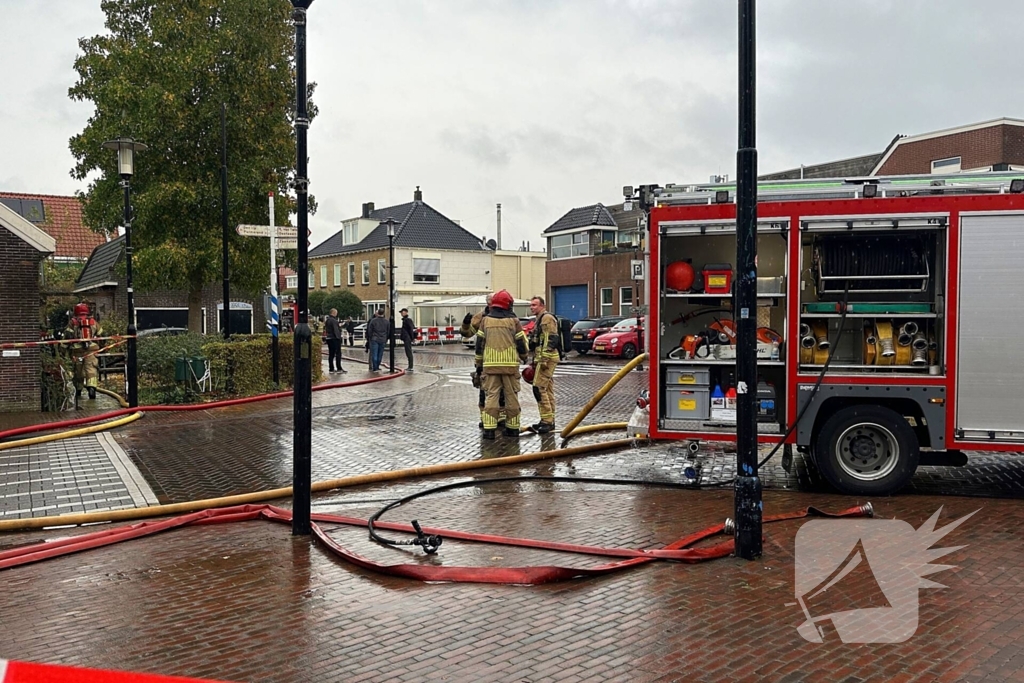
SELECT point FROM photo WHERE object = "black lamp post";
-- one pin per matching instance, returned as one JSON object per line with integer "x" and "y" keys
{"x": 302, "y": 406}
{"x": 391, "y": 223}
{"x": 125, "y": 148}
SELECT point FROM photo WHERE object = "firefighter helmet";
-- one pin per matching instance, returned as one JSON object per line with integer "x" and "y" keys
{"x": 528, "y": 373}
{"x": 502, "y": 300}
{"x": 679, "y": 276}
{"x": 82, "y": 310}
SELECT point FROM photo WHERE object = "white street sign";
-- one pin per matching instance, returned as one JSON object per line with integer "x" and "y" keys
{"x": 637, "y": 267}
{"x": 264, "y": 231}
{"x": 286, "y": 244}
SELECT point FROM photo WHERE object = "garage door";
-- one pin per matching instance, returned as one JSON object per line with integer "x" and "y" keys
{"x": 570, "y": 301}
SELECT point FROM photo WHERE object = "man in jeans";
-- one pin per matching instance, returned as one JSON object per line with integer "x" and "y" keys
{"x": 377, "y": 331}
{"x": 333, "y": 334}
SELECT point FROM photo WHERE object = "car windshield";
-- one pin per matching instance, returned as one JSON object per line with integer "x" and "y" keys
{"x": 625, "y": 324}
{"x": 585, "y": 325}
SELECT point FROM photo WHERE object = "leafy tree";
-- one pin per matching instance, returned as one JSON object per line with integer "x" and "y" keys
{"x": 160, "y": 75}
{"x": 347, "y": 303}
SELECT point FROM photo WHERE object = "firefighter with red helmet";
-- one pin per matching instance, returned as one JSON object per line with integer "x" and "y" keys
{"x": 470, "y": 325}
{"x": 84, "y": 327}
{"x": 500, "y": 347}
{"x": 545, "y": 344}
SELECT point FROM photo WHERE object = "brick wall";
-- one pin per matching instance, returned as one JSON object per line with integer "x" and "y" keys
{"x": 976, "y": 148}
{"x": 109, "y": 300}
{"x": 613, "y": 270}
{"x": 19, "y": 301}
{"x": 372, "y": 292}
{"x": 571, "y": 271}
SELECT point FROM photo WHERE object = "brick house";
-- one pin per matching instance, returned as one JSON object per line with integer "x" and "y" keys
{"x": 23, "y": 246}
{"x": 588, "y": 267}
{"x": 61, "y": 218}
{"x": 100, "y": 283}
{"x": 435, "y": 258}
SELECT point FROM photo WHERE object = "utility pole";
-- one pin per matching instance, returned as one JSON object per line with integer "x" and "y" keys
{"x": 224, "y": 216}
{"x": 302, "y": 413}
{"x": 748, "y": 485}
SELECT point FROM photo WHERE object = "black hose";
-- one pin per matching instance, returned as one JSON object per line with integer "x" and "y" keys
{"x": 828, "y": 361}
{"x": 431, "y": 543}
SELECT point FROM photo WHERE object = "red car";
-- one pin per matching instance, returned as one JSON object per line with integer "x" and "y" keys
{"x": 623, "y": 340}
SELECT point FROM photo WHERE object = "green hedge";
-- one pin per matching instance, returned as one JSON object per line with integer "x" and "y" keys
{"x": 242, "y": 366}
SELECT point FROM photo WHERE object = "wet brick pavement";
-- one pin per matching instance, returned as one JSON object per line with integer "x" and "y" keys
{"x": 250, "y": 602}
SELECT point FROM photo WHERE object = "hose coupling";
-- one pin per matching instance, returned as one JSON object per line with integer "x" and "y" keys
{"x": 868, "y": 510}
{"x": 729, "y": 527}
{"x": 430, "y": 543}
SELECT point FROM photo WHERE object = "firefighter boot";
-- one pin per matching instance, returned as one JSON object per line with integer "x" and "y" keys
{"x": 488, "y": 434}
{"x": 92, "y": 393}
{"x": 543, "y": 427}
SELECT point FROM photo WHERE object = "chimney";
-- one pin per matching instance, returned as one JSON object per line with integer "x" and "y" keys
{"x": 499, "y": 227}
{"x": 417, "y": 196}
{"x": 367, "y": 209}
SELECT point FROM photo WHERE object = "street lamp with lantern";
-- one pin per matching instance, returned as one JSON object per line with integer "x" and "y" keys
{"x": 125, "y": 148}
{"x": 391, "y": 223}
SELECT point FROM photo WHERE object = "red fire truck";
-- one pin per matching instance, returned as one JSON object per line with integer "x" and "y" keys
{"x": 890, "y": 313}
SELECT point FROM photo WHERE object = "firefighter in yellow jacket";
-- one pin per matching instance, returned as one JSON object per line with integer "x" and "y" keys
{"x": 545, "y": 342}
{"x": 500, "y": 347}
{"x": 83, "y": 354}
{"x": 470, "y": 325}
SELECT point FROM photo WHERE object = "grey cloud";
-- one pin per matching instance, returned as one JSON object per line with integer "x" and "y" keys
{"x": 478, "y": 144}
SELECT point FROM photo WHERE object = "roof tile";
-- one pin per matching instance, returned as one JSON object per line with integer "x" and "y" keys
{"x": 63, "y": 222}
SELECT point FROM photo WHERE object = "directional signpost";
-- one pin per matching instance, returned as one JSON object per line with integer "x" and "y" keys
{"x": 289, "y": 241}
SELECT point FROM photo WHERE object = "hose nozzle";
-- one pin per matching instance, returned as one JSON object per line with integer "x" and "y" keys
{"x": 429, "y": 543}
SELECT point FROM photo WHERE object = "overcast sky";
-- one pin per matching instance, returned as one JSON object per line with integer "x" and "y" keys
{"x": 544, "y": 105}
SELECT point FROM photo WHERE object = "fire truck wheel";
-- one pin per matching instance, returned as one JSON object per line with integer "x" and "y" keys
{"x": 867, "y": 450}
{"x": 629, "y": 352}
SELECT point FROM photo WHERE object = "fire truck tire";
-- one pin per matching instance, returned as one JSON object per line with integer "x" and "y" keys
{"x": 629, "y": 352}
{"x": 867, "y": 450}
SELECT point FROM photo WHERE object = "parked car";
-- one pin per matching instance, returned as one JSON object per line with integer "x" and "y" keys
{"x": 162, "y": 331}
{"x": 623, "y": 340}
{"x": 587, "y": 330}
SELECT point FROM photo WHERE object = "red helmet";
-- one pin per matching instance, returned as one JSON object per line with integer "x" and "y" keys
{"x": 679, "y": 276}
{"x": 528, "y": 372}
{"x": 502, "y": 300}
{"x": 81, "y": 310}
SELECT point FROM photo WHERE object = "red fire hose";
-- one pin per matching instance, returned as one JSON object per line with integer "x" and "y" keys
{"x": 680, "y": 550}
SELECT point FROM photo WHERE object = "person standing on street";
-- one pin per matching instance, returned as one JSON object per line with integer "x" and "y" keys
{"x": 333, "y": 331}
{"x": 350, "y": 331}
{"x": 545, "y": 342}
{"x": 500, "y": 346}
{"x": 470, "y": 326}
{"x": 377, "y": 331}
{"x": 408, "y": 335}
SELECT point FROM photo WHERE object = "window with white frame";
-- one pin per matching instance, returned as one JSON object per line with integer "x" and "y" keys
{"x": 337, "y": 275}
{"x": 950, "y": 165}
{"x": 607, "y": 301}
{"x": 366, "y": 272}
{"x": 350, "y": 232}
{"x": 567, "y": 246}
{"x": 291, "y": 281}
{"x": 382, "y": 271}
{"x": 625, "y": 300}
{"x": 312, "y": 280}
{"x": 351, "y": 273}
{"x": 323, "y": 276}
{"x": 426, "y": 271}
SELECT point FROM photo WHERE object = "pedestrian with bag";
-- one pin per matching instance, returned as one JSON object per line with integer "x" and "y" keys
{"x": 501, "y": 346}
{"x": 407, "y": 335}
{"x": 377, "y": 331}
{"x": 333, "y": 335}
{"x": 350, "y": 331}
{"x": 545, "y": 345}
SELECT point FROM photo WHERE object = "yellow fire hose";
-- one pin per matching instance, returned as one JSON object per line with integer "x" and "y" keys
{"x": 567, "y": 431}
{"x": 81, "y": 431}
{"x": 571, "y": 429}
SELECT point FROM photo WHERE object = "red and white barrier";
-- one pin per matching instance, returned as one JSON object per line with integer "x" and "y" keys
{"x": 26, "y": 672}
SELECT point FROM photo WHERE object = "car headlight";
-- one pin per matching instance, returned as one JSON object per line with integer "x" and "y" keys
{"x": 614, "y": 340}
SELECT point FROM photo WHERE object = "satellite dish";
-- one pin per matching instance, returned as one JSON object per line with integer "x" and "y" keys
{"x": 492, "y": 245}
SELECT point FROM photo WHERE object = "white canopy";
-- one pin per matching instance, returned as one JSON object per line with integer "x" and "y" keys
{"x": 451, "y": 311}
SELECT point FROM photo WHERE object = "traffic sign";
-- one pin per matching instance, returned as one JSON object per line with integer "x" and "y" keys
{"x": 637, "y": 266}
{"x": 264, "y": 231}
{"x": 286, "y": 244}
